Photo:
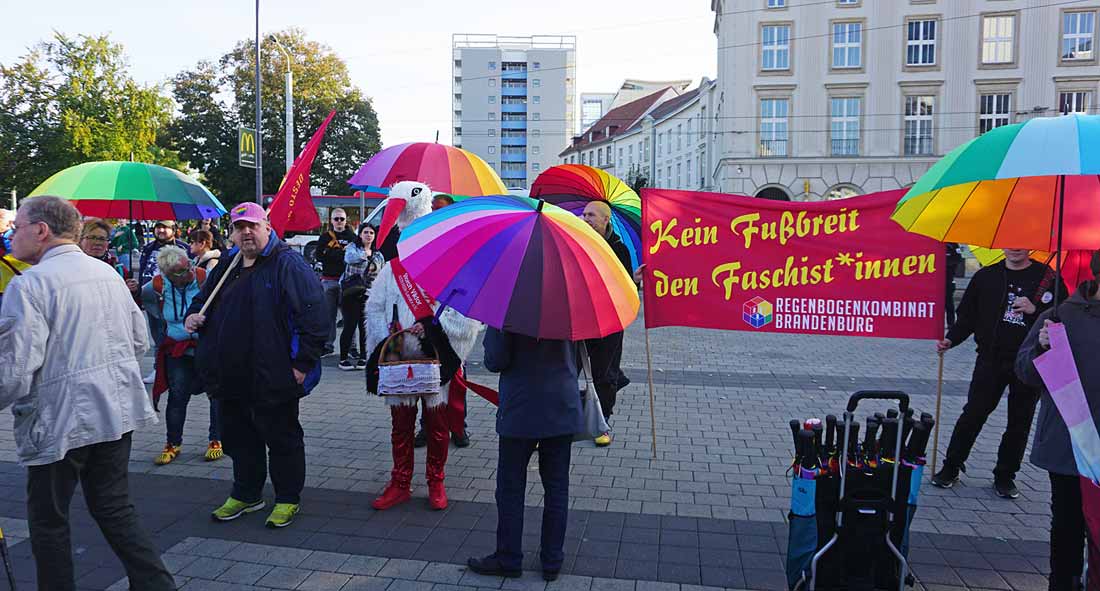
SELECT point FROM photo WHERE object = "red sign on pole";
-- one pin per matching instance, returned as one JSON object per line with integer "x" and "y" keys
{"x": 834, "y": 268}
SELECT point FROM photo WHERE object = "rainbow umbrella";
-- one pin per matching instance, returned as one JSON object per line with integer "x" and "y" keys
{"x": 1075, "y": 263}
{"x": 443, "y": 168}
{"x": 522, "y": 265}
{"x": 1033, "y": 185}
{"x": 132, "y": 190}
{"x": 572, "y": 186}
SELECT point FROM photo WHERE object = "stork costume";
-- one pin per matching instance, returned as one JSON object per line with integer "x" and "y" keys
{"x": 453, "y": 338}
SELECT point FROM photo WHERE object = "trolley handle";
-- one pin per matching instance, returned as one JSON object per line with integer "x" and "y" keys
{"x": 901, "y": 397}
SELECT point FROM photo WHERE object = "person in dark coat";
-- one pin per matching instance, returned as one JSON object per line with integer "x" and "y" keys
{"x": 952, "y": 261}
{"x": 999, "y": 307}
{"x": 540, "y": 409}
{"x": 1051, "y": 449}
{"x": 258, "y": 354}
{"x": 606, "y": 353}
{"x": 330, "y": 253}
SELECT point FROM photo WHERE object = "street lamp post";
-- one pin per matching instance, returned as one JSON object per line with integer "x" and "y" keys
{"x": 289, "y": 106}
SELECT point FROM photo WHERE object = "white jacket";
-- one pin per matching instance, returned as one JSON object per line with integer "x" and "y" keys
{"x": 70, "y": 339}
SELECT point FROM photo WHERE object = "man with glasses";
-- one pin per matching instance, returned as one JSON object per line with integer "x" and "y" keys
{"x": 330, "y": 253}
{"x": 77, "y": 396}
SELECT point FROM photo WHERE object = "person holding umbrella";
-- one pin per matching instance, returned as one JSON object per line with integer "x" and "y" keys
{"x": 999, "y": 307}
{"x": 1052, "y": 449}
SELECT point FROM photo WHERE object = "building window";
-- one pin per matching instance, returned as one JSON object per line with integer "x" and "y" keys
{"x": 660, "y": 139}
{"x": 537, "y": 99}
{"x": 492, "y": 99}
{"x": 994, "y": 111}
{"x": 535, "y": 166}
{"x": 847, "y": 45}
{"x": 918, "y": 125}
{"x": 535, "y": 149}
{"x": 776, "y": 4}
{"x": 492, "y": 116}
{"x": 492, "y": 149}
{"x": 492, "y": 82}
{"x": 773, "y": 127}
{"x": 536, "y": 116}
{"x": 492, "y": 132}
{"x": 920, "y": 44}
{"x": 668, "y": 175}
{"x": 536, "y": 65}
{"x": 536, "y": 132}
{"x": 776, "y": 54}
{"x": 844, "y": 126}
{"x": 841, "y": 191}
{"x": 847, "y": 2}
{"x": 1077, "y": 101}
{"x": 679, "y": 138}
{"x": 514, "y": 116}
{"x": 493, "y": 165}
{"x": 1078, "y": 29}
{"x": 536, "y": 82}
{"x": 492, "y": 65}
{"x": 998, "y": 44}
{"x": 679, "y": 175}
{"x": 687, "y": 170}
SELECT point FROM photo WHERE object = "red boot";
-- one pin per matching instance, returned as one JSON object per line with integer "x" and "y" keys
{"x": 399, "y": 489}
{"x": 439, "y": 440}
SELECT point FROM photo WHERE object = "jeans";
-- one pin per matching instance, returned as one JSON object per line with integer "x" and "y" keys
{"x": 332, "y": 301}
{"x": 352, "y": 310}
{"x": 515, "y": 454}
{"x": 101, "y": 470}
{"x": 183, "y": 383}
{"x": 1067, "y": 532}
{"x": 991, "y": 376}
{"x": 258, "y": 435}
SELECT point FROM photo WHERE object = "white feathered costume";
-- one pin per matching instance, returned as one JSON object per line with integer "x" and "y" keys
{"x": 408, "y": 201}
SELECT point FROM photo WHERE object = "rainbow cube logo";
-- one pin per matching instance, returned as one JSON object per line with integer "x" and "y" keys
{"x": 757, "y": 312}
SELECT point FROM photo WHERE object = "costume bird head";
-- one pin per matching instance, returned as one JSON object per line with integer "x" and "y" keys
{"x": 408, "y": 201}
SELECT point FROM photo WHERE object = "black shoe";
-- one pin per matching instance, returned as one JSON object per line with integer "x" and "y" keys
{"x": 421, "y": 439}
{"x": 549, "y": 575}
{"x": 353, "y": 353}
{"x": 1006, "y": 488}
{"x": 461, "y": 439}
{"x": 346, "y": 365}
{"x": 490, "y": 566}
{"x": 947, "y": 477}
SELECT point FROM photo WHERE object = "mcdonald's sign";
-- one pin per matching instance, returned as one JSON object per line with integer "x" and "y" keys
{"x": 246, "y": 147}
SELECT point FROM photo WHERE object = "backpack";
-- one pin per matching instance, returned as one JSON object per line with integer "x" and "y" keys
{"x": 158, "y": 285}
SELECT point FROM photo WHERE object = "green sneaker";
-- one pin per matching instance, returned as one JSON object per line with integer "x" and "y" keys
{"x": 282, "y": 515}
{"x": 232, "y": 509}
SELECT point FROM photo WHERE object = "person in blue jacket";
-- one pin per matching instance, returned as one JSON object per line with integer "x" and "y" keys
{"x": 259, "y": 348}
{"x": 540, "y": 409}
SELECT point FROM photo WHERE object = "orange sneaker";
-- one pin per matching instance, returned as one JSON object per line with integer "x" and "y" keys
{"x": 170, "y": 452}
{"x": 214, "y": 451}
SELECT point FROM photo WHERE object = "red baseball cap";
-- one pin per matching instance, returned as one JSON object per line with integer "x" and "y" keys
{"x": 247, "y": 212}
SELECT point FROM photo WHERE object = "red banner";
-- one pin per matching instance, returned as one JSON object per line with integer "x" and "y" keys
{"x": 293, "y": 208}
{"x": 834, "y": 268}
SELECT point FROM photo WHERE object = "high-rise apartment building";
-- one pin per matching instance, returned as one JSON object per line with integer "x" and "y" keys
{"x": 821, "y": 100}
{"x": 514, "y": 101}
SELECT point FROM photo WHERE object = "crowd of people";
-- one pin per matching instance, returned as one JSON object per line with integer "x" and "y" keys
{"x": 243, "y": 321}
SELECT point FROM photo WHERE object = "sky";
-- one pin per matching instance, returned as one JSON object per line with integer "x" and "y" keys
{"x": 398, "y": 52}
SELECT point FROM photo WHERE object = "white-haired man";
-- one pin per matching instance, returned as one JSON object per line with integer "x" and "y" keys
{"x": 76, "y": 395}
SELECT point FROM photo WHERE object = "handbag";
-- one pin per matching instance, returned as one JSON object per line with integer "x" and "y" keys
{"x": 594, "y": 422}
{"x": 407, "y": 377}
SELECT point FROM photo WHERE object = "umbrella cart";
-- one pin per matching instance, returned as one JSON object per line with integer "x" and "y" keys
{"x": 853, "y": 499}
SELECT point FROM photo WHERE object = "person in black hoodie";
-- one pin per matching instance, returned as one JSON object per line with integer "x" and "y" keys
{"x": 606, "y": 353}
{"x": 998, "y": 308}
{"x": 1052, "y": 450}
{"x": 330, "y": 253}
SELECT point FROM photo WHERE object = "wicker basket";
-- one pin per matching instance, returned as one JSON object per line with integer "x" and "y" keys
{"x": 407, "y": 377}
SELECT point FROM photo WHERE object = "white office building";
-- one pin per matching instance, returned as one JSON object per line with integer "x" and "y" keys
{"x": 595, "y": 105}
{"x": 821, "y": 100}
{"x": 514, "y": 101}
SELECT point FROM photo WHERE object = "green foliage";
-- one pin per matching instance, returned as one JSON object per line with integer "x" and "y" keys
{"x": 214, "y": 99}
{"x": 71, "y": 100}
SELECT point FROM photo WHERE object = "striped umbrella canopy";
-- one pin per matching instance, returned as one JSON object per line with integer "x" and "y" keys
{"x": 521, "y": 265}
{"x": 132, "y": 190}
{"x": 1033, "y": 185}
{"x": 443, "y": 168}
{"x": 573, "y": 186}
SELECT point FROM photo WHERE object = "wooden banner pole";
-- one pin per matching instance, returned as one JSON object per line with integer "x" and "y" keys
{"x": 936, "y": 428}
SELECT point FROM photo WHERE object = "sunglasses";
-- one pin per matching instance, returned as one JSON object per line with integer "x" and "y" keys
{"x": 179, "y": 274}
{"x": 338, "y": 219}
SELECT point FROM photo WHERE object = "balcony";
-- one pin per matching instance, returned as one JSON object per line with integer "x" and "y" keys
{"x": 513, "y": 124}
{"x": 773, "y": 148}
{"x": 514, "y": 75}
{"x": 513, "y": 91}
{"x": 513, "y": 141}
{"x": 513, "y": 108}
{"x": 521, "y": 157}
{"x": 845, "y": 147}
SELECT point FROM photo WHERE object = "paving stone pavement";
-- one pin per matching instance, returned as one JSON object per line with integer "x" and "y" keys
{"x": 723, "y": 400}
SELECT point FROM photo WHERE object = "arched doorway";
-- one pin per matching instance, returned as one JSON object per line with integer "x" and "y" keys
{"x": 773, "y": 193}
{"x": 842, "y": 191}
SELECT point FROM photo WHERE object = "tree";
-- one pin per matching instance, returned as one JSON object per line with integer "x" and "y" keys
{"x": 71, "y": 100}
{"x": 206, "y": 129}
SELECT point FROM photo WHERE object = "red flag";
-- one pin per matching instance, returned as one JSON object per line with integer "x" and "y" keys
{"x": 293, "y": 208}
